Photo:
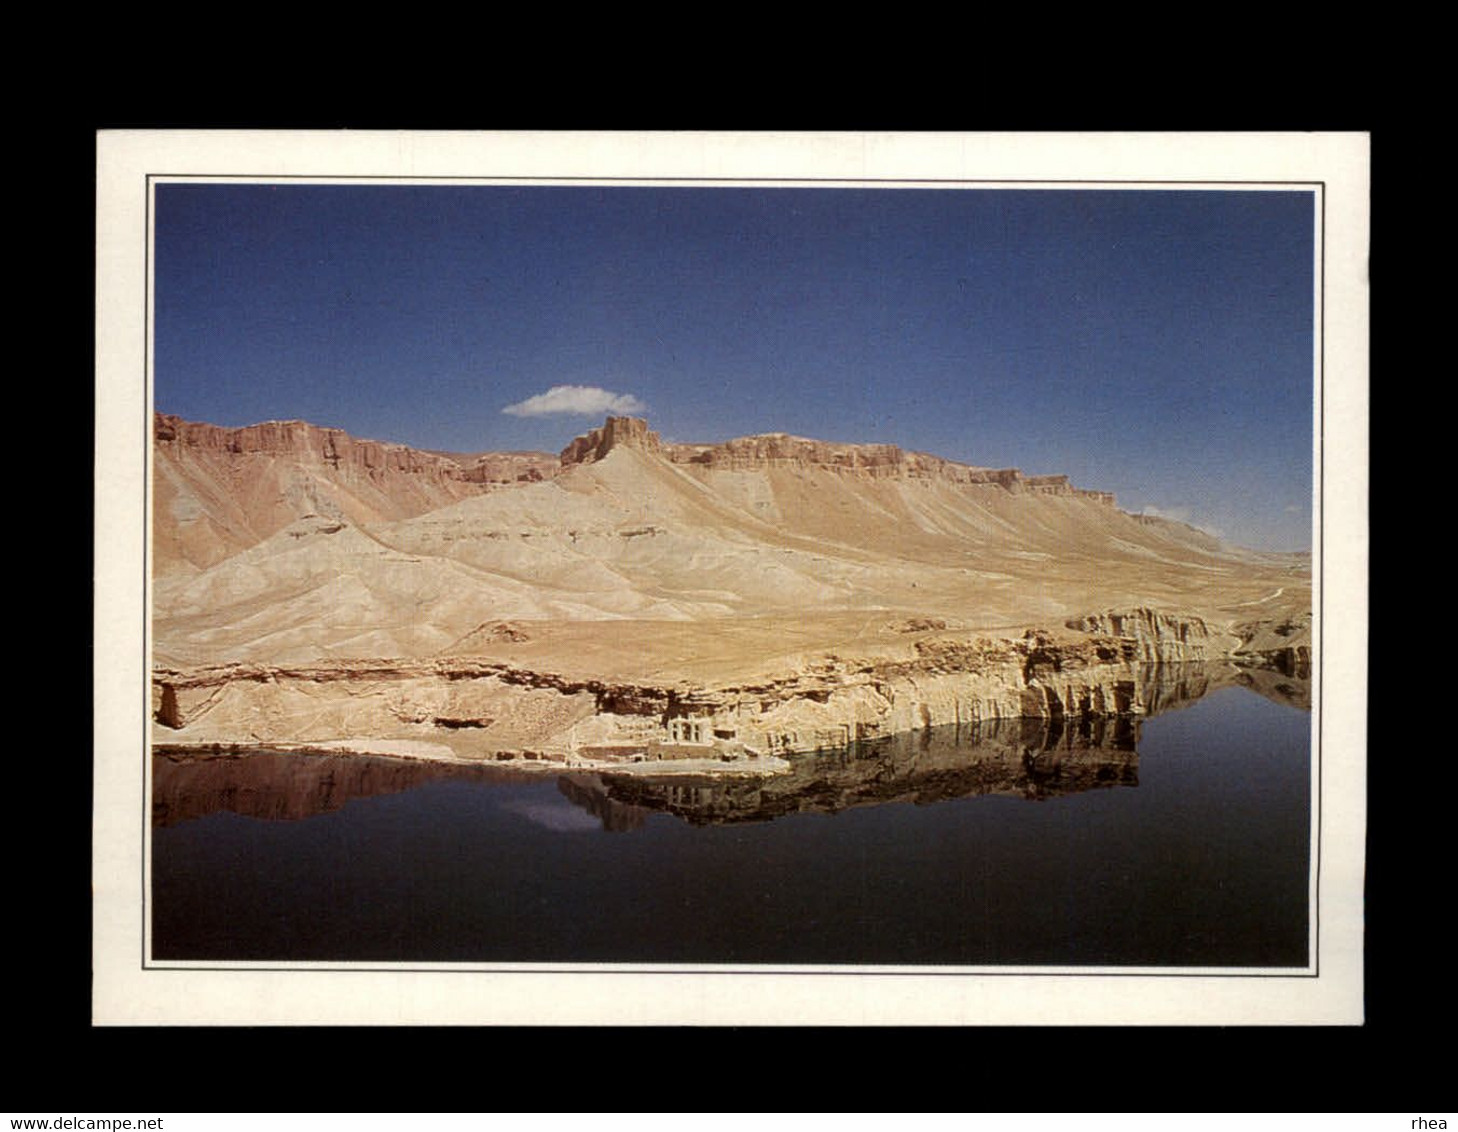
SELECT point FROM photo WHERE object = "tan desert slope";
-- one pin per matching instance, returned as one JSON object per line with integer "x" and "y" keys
{"x": 770, "y": 592}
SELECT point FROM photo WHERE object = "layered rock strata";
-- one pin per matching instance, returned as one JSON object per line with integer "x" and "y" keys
{"x": 778, "y": 449}
{"x": 1158, "y": 637}
{"x": 714, "y": 603}
{"x": 482, "y": 710}
{"x": 313, "y": 444}
{"x": 218, "y": 491}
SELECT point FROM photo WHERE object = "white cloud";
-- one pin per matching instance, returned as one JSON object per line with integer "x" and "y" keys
{"x": 578, "y": 400}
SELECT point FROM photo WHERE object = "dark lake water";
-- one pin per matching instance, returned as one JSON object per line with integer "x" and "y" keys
{"x": 1181, "y": 841}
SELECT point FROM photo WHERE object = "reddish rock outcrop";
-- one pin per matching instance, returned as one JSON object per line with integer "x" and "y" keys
{"x": 308, "y": 443}
{"x": 337, "y": 449}
{"x": 616, "y": 432}
{"x": 221, "y": 490}
{"x": 779, "y": 449}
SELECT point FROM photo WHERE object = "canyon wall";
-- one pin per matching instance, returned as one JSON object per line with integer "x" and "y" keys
{"x": 488, "y": 710}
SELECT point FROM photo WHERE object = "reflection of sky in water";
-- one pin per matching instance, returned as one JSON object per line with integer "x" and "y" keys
{"x": 559, "y": 817}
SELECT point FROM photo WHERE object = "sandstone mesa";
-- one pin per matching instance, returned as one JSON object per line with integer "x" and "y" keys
{"x": 632, "y": 601}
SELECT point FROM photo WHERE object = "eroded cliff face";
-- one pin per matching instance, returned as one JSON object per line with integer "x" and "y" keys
{"x": 1029, "y": 758}
{"x": 778, "y": 449}
{"x": 306, "y": 443}
{"x": 219, "y": 491}
{"x": 309, "y": 444}
{"x": 1159, "y": 637}
{"x": 480, "y": 710}
{"x": 616, "y": 432}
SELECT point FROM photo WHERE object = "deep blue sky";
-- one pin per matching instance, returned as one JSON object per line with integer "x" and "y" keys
{"x": 1153, "y": 343}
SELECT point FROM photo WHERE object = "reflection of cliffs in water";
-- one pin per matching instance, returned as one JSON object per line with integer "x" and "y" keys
{"x": 1029, "y": 758}
{"x": 1292, "y": 689}
{"x": 1167, "y": 687}
{"x": 593, "y": 795}
{"x": 284, "y": 787}
{"x": 1025, "y": 758}
{"x": 1034, "y": 759}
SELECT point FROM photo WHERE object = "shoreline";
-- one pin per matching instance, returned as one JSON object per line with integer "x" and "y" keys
{"x": 418, "y": 751}
{"x": 478, "y": 711}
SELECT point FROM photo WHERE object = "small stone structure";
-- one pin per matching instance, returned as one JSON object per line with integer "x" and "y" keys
{"x": 686, "y": 730}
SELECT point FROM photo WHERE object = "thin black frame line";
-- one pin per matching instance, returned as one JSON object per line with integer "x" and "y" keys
{"x": 546, "y": 180}
{"x": 1319, "y": 798}
{"x": 843, "y": 972}
{"x": 147, "y": 431}
{"x": 1320, "y": 192}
